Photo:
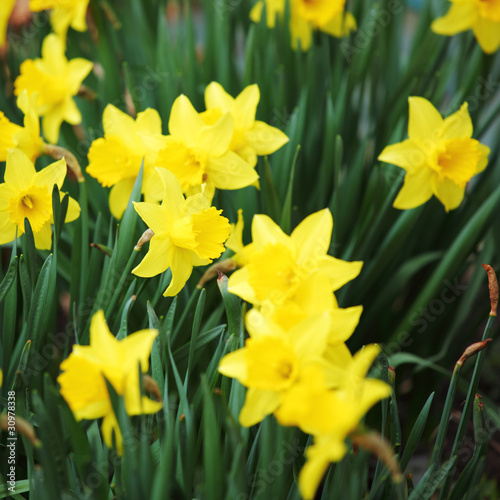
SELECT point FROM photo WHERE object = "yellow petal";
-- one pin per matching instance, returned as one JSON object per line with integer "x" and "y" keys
{"x": 234, "y": 365}
{"x": 313, "y": 235}
{"x": 7, "y": 227}
{"x": 416, "y": 189}
{"x": 256, "y": 12}
{"x": 51, "y": 124}
{"x": 245, "y": 107}
{"x": 217, "y": 97}
{"x": 215, "y": 139}
{"x": 116, "y": 122}
{"x": 78, "y": 70}
{"x": 156, "y": 260}
{"x": 338, "y": 271}
{"x": 239, "y": 285}
{"x": 266, "y": 232}
{"x": 483, "y": 162}
{"x": 149, "y": 121}
{"x": 5, "y": 12}
{"x": 424, "y": 119}
{"x": 310, "y": 336}
{"x": 19, "y": 171}
{"x": 8, "y": 131}
{"x": 181, "y": 267}
{"x": 460, "y": 17}
{"x": 341, "y": 25}
{"x": 185, "y": 123}
{"x": 156, "y": 217}
{"x": 55, "y": 173}
{"x": 136, "y": 348}
{"x": 119, "y": 197}
{"x": 487, "y": 33}
{"x": 109, "y": 427}
{"x": 258, "y": 404}
{"x": 265, "y": 139}
{"x": 102, "y": 340}
{"x": 344, "y": 322}
{"x": 73, "y": 210}
{"x": 457, "y": 125}
{"x": 173, "y": 198}
{"x": 448, "y": 193}
{"x": 43, "y": 238}
{"x": 53, "y": 49}
{"x": 301, "y": 32}
{"x": 404, "y": 154}
{"x": 229, "y": 171}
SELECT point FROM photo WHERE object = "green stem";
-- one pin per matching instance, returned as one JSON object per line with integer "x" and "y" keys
{"x": 464, "y": 420}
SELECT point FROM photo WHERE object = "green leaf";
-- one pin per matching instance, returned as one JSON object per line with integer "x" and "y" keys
{"x": 9, "y": 279}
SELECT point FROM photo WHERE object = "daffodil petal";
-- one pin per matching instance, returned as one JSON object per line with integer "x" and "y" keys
{"x": 185, "y": 122}
{"x": 109, "y": 427}
{"x": 215, "y": 139}
{"x": 217, "y": 97}
{"x": 78, "y": 70}
{"x": 487, "y": 33}
{"x": 172, "y": 191}
{"x": 460, "y": 17}
{"x": 156, "y": 260}
{"x": 265, "y": 139}
{"x": 313, "y": 235}
{"x": 43, "y": 238}
{"x": 483, "y": 162}
{"x": 416, "y": 189}
{"x": 155, "y": 216}
{"x": 181, "y": 267}
{"x": 51, "y": 124}
{"x": 457, "y": 125}
{"x": 338, "y": 271}
{"x": 245, "y": 107}
{"x": 229, "y": 171}
{"x": 149, "y": 121}
{"x": 19, "y": 171}
{"x": 119, "y": 197}
{"x": 424, "y": 119}
{"x": 258, "y": 404}
{"x": 52, "y": 175}
{"x": 404, "y": 154}
{"x": 266, "y": 232}
{"x": 73, "y": 209}
{"x": 344, "y": 322}
{"x": 234, "y": 365}
{"x": 238, "y": 284}
{"x": 136, "y": 349}
{"x": 448, "y": 193}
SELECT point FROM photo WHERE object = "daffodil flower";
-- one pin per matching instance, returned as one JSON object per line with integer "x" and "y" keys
{"x": 65, "y": 13}
{"x": 480, "y": 16}
{"x": 6, "y": 8}
{"x": 26, "y": 138}
{"x": 187, "y": 232}
{"x": 85, "y": 371}
{"x": 272, "y": 361}
{"x": 198, "y": 153}
{"x": 115, "y": 159}
{"x": 56, "y": 80}
{"x": 251, "y": 137}
{"x": 439, "y": 157}
{"x": 27, "y": 193}
{"x": 281, "y": 268}
{"x": 328, "y": 16}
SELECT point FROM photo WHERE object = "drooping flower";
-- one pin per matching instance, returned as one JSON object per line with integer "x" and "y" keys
{"x": 26, "y": 138}
{"x": 328, "y": 16}
{"x": 480, "y": 16}
{"x": 6, "y": 8}
{"x": 187, "y": 232}
{"x": 27, "y": 193}
{"x": 57, "y": 81}
{"x": 251, "y": 137}
{"x": 273, "y": 361}
{"x": 279, "y": 267}
{"x": 84, "y": 372}
{"x": 65, "y": 13}
{"x": 329, "y": 401}
{"x": 198, "y": 153}
{"x": 115, "y": 159}
{"x": 439, "y": 157}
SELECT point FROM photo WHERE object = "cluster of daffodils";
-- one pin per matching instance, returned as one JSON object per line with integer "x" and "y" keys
{"x": 295, "y": 363}
{"x": 63, "y": 15}
{"x": 86, "y": 370}
{"x": 440, "y": 157}
{"x": 217, "y": 148}
{"x": 328, "y": 16}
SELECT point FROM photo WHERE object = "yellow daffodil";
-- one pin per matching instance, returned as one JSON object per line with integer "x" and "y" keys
{"x": 56, "y": 80}
{"x": 272, "y": 361}
{"x": 251, "y": 138}
{"x": 65, "y": 13}
{"x": 6, "y": 8}
{"x": 480, "y": 16}
{"x": 26, "y": 138}
{"x": 116, "y": 159}
{"x": 274, "y": 8}
{"x": 187, "y": 232}
{"x": 235, "y": 242}
{"x": 198, "y": 153}
{"x": 27, "y": 193}
{"x": 306, "y": 16}
{"x": 83, "y": 384}
{"x": 280, "y": 267}
{"x": 439, "y": 156}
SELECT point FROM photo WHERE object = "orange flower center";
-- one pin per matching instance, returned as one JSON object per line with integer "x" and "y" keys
{"x": 458, "y": 161}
